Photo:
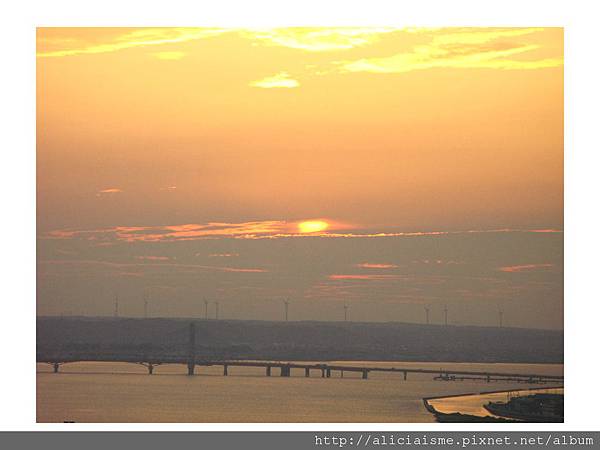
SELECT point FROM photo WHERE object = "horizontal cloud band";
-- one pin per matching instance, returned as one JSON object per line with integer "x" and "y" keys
{"x": 270, "y": 229}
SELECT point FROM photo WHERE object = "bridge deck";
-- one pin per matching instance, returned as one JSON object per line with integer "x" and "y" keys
{"x": 279, "y": 364}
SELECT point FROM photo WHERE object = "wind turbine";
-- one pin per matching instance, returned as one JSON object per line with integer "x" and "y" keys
{"x": 346, "y": 313}
{"x": 286, "y": 304}
{"x": 427, "y": 315}
{"x": 206, "y": 309}
{"x": 116, "y": 305}
{"x": 217, "y": 310}
{"x": 446, "y": 315}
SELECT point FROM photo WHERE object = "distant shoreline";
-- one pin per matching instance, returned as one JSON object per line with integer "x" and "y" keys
{"x": 469, "y": 394}
{"x": 292, "y": 322}
{"x": 458, "y": 416}
{"x": 298, "y": 341}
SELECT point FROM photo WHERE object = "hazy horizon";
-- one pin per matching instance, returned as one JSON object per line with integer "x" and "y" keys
{"x": 199, "y": 319}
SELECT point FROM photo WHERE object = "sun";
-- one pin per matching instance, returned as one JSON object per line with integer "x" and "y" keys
{"x": 312, "y": 226}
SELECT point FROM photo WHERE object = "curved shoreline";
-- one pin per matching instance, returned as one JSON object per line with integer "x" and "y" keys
{"x": 493, "y": 392}
{"x": 461, "y": 417}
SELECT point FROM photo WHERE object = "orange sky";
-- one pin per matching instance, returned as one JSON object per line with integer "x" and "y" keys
{"x": 410, "y": 128}
{"x": 201, "y": 152}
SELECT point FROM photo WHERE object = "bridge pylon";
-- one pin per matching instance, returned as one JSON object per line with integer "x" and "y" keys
{"x": 192, "y": 349}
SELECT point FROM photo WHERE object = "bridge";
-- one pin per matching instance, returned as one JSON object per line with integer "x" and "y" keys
{"x": 284, "y": 369}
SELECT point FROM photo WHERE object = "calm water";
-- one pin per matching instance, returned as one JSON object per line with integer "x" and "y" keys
{"x": 121, "y": 392}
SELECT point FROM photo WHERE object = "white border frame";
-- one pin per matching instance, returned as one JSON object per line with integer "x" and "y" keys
{"x": 17, "y": 324}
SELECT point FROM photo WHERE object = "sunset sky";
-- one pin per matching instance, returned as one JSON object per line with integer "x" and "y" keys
{"x": 388, "y": 169}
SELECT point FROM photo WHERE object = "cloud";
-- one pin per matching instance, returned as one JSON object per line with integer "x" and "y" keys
{"x": 317, "y": 39}
{"x": 210, "y": 230}
{"x": 154, "y": 258}
{"x": 268, "y": 229}
{"x": 376, "y": 266}
{"x": 436, "y": 261}
{"x": 526, "y": 268}
{"x": 137, "y": 38}
{"x": 237, "y": 269}
{"x": 109, "y": 191}
{"x": 364, "y": 277}
{"x": 477, "y": 35}
{"x": 280, "y": 80}
{"x": 447, "y": 48}
{"x": 141, "y": 265}
{"x": 307, "y": 39}
{"x": 471, "y": 49}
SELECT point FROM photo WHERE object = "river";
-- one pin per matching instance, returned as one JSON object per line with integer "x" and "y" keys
{"x": 122, "y": 392}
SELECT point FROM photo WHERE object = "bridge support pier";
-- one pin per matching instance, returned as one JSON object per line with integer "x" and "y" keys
{"x": 192, "y": 349}
{"x": 405, "y": 373}
{"x": 328, "y": 373}
{"x": 487, "y": 378}
{"x": 322, "y": 373}
{"x": 150, "y": 368}
{"x": 268, "y": 371}
{"x": 225, "y": 370}
{"x": 307, "y": 372}
{"x": 55, "y": 367}
{"x": 365, "y": 374}
{"x": 342, "y": 373}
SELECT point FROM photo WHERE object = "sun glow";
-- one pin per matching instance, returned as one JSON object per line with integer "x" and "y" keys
{"x": 312, "y": 226}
